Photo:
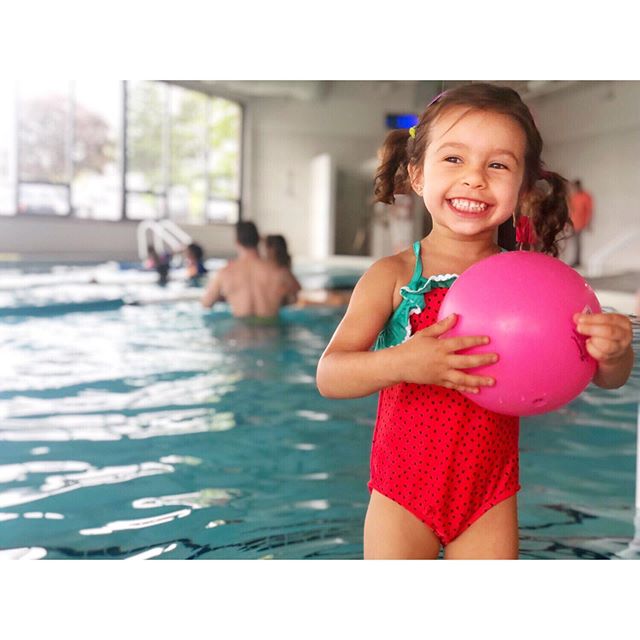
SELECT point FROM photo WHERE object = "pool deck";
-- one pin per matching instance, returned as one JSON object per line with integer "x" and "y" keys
{"x": 619, "y": 291}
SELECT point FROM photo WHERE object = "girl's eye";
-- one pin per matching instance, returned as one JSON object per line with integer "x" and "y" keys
{"x": 498, "y": 165}
{"x": 453, "y": 159}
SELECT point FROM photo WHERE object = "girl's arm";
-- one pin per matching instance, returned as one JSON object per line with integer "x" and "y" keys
{"x": 610, "y": 336}
{"x": 347, "y": 369}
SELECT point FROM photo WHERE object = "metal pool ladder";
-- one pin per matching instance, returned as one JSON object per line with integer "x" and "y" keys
{"x": 163, "y": 233}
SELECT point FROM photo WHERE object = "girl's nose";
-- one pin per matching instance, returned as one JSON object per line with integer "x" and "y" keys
{"x": 474, "y": 179}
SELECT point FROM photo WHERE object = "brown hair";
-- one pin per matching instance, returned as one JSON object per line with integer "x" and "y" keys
{"x": 278, "y": 246}
{"x": 247, "y": 234}
{"x": 545, "y": 204}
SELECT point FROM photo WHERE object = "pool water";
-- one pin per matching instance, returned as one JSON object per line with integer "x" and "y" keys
{"x": 165, "y": 431}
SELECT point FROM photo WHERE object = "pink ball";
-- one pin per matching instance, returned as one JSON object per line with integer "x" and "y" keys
{"x": 525, "y": 303}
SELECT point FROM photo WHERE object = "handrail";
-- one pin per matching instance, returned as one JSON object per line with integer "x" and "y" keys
{"x": 595, "y": 265}
{"x": 633, "y": 548}
{"x": 163, "y": 231}
{"x": 179, "y": 233}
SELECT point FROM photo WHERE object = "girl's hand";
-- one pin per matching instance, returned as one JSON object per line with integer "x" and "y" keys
{"x": 431, "y": 359}
{"x": 610, "y": 335}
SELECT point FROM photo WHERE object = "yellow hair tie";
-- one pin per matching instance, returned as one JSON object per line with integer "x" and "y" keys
{"x": 412, "y": 132}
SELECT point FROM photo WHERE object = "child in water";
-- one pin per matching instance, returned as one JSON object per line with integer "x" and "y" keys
{"x": 160, "y": 263}
{"x": 194, "y": 261}
{"x": 444, "y": 471}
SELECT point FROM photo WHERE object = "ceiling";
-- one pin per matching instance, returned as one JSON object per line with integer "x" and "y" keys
{"x": 311, "y": 90}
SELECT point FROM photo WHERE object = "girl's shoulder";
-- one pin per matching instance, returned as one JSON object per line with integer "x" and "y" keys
{"x": 387, "y": 275}
{"x": 396, "y": 265}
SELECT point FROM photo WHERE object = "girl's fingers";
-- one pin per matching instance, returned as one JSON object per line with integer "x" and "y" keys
{"x": 440, "y": 327}
{"x": 601, "y": 318}
{"x": 469, "y": 362}
{"x": 465, "y": 380}
{"x": 605, "y": 330}
{"x": 461, "y": 388}
{"x": 594, "y": 352}
{"x": 602, "y": 349}
{"x": 612, "y": 325}
{"x": 464, "y": 342}
{"x": 606, "y": 345}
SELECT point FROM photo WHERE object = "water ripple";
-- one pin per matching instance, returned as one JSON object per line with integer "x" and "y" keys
{"x": 87, "y": 402}
{"x": 90, "y": 477}
{"x": 139, "y": 523}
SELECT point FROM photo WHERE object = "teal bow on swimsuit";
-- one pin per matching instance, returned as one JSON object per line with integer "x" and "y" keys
{"x": 398, "y": 327}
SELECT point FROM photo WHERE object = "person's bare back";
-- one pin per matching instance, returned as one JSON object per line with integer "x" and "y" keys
{"x": 252, "y": 286}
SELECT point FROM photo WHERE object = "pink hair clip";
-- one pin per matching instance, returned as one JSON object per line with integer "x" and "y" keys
{"x": 525, "y": 233}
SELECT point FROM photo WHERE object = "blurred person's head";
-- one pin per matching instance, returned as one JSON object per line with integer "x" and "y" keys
{"x": 247, "y": 235}
{"x": 277, "y": 251}
{"x": 194, "y": 252}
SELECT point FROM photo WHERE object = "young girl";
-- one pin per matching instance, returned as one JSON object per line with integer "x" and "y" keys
{"x": 195, "y": 269}
{"x": 444, "y": 471}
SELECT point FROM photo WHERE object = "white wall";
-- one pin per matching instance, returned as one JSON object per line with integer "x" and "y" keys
{"x": 36, "y": 238}
{"x": 348, "y": 124}
{"x": 592, "y": 132}
{"x": 322, "y": 208}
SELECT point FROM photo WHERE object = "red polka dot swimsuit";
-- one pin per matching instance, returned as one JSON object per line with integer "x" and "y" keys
{"x": 434, "y": 452}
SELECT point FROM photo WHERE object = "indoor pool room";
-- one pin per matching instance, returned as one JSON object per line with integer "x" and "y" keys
{"x": 149, "y": 408}
{"x": 299, "y": 304}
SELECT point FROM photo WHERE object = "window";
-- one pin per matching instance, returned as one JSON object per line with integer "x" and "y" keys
{"x": 44, "y": 150}
{"x": 70, "y": 149}
{"x": 96, "y": 188}
{"x": 8, "y": 155}
{"x": 183, "y": 154}
{"x": 223, "y": 167}
{"x": 188, "y": 143}
{"x": 146, "y": 149}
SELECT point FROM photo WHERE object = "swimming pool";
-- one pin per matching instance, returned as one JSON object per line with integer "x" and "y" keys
{"x": 165, "y": 431}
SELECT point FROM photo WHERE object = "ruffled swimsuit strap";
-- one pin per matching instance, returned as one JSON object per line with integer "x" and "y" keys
{"x": 417, "y": 270}
{"x": 398, "y": 327}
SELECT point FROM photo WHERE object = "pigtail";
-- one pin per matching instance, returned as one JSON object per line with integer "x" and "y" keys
{"x": 546, "y": 206}
{"x": 392, "y": 176}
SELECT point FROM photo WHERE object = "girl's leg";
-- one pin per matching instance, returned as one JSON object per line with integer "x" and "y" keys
{"x": 393, "y": 533}
{"x": 493, "y": 536}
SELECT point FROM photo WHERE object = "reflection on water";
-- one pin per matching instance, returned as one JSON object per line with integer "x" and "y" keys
{"x": 167, "y": 432}
{"x": 138, "y": 523}
{"x": 180, "y": 414}
{"x": 87, "y": 477}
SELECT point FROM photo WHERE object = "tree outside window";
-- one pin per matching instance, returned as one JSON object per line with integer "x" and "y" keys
{"x": 180, "y": 147}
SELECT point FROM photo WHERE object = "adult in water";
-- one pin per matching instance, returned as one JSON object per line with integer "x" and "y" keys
{"x": 254, "y": 287}
{"x": 276, "y": 251}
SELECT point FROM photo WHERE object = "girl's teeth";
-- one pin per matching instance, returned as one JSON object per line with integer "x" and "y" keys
{"x": 468, "y": 205}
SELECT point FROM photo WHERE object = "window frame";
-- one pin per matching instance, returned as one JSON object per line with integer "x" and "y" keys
{"x": 167, "y": 162}
{"x": 122, "y": 149}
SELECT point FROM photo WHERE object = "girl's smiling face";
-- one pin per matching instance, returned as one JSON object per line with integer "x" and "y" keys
{"x": 473, "y": 170}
